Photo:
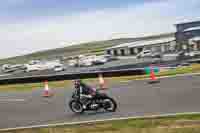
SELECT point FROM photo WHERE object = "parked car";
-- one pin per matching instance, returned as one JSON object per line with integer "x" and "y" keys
{"x": 85, "y": 62}
{"x": 33, "y": 62}
{"x": 185, "y": 55}
{"x": 59, "y": 68}
{"x": 5, "y": 67}
{"x": 156, "y": 55}
{"x": 72, "y": 62}
{"x": 144, "y": 53}
{"x": 184, "y": 64}
{"x": 110, "y": 57}
{"x": 194, "y": 53}
{"x": 98, "y": 60}
{"x": 35, "y": 67}
{"x": 12, "y": 68}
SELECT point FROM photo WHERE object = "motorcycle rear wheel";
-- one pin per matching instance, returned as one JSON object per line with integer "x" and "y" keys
{"x": 76, "y": 106}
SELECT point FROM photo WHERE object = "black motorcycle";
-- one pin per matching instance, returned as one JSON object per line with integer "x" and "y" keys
{"x": 99, "y": 101}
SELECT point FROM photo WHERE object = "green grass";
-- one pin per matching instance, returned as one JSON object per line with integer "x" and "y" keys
{"x": 172, "y": 124}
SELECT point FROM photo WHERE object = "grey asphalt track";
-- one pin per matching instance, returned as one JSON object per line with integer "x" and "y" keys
{"x": 135, "y": 98}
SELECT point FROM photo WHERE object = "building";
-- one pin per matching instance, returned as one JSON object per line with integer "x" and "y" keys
{"x": 188, "y": 36}
{"x": 164, "y": 45}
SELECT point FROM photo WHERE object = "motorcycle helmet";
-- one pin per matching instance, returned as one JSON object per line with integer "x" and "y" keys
{"x": 77, "y": 83}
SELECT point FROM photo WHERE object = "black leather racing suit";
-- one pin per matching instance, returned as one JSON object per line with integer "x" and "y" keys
{"x": 85, "y": 93}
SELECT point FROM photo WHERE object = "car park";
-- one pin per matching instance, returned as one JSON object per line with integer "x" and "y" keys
{"x": 90, "y": 60}
{"x": 35, "y": 67}
{"x": 8, "y": 68}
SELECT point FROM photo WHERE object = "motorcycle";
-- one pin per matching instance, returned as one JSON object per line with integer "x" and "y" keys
{"x": 99, "y": 101}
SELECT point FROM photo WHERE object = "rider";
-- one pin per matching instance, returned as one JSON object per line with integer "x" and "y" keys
{"x": 84, "y": 92}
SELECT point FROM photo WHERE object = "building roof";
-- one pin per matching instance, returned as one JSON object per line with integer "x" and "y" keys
{"x": 197, "y": 38}
{"x": 187, "y": 22}
{"x": 192, "y": 28}
{"x": 122, "y": 45}
{"x": 151, "y": 42}
{"x": 144, "y": 42}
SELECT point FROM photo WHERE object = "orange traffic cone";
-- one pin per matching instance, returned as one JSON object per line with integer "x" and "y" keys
{"x": 153, "y": 78}
{"x": 102, "y": 82}
{"x": 152, "y": 75}
{"x": 47, "y": 92}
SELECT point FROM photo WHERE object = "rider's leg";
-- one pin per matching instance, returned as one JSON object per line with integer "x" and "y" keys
{"x": 85, "y": 102}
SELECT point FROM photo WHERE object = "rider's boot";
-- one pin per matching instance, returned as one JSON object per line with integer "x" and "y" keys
{"x": 85, "y": 104}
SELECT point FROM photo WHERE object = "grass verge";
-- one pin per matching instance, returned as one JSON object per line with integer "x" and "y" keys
{"x": 194, "y": 68}
{"x": 172, "y": 124}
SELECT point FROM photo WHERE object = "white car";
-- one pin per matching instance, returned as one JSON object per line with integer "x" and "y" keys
{"x": 192, "y": 53}
{"x": 32, "y": 62}
{"x": 100, "y": 60}
{"x": 145, "y": 53}
{"x": 5, "y": 66}
{"x": 30, "y": 68}
{"x": 59, "y": 68}
{"x": 72, "y": 62}
{"x": 85, "y": 62}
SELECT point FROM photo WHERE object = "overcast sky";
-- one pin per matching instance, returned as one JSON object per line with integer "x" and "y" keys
{"x": 30, "y": 25}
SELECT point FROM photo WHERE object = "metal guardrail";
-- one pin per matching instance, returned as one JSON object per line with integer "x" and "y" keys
{"x": 71, "y": 76}
{"x": 109, "y": 72}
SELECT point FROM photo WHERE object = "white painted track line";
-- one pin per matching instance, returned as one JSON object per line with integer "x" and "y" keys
{"x": 11, "y": 100}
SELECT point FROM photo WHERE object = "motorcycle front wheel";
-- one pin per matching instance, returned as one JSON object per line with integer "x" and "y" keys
{"x": 110, "y": 105}
{"x": 76, "y": 106}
